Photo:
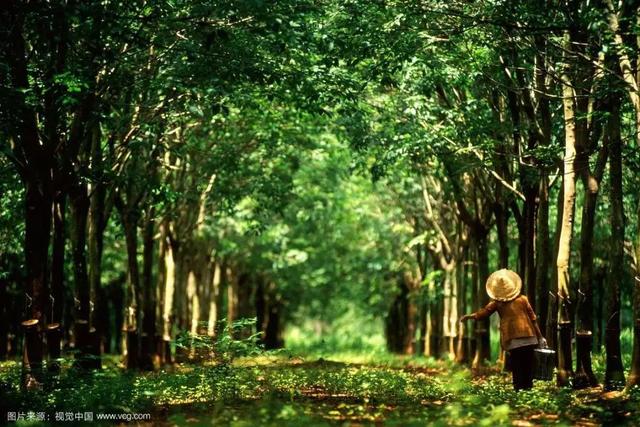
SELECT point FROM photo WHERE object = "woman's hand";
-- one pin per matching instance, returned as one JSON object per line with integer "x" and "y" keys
{"x": 466, "y": 317}
{"x": 542, "y": 343}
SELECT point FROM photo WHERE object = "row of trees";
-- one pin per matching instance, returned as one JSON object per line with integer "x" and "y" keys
{"x": 112, "y": 114}
{"x": 512, "y": 117}
{"x": 181, "y": 162}
{"x": 172, "y": 168}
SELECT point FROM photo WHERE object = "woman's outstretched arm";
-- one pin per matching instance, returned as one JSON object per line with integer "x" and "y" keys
{"x": 483, "y": 313}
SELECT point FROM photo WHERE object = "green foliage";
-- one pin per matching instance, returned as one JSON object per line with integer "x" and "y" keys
{"x": 224, "y": 347}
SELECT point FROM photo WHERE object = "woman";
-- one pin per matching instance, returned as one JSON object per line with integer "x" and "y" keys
{"x": 519, "y": 331}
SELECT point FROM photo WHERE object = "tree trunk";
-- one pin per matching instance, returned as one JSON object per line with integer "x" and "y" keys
{"x": 273, "y": 326}
{"x": 97, "y": 224}
{"x": 54, "y": 333}
{"x": 462, "y": 346}
{"x": 215, "y": 302}
{"x": 239, "y": 303}
{"x": 167, "y": 303}
{"x": 600, "y": 278}
{"x": 483, "y": 331}
{"x": 412, "y": 314}
{"x": 502, "y": 229}
{"x": 475, "y": 302}
{"x": 565, "y": 369}
{"x": 614, "y": 373}
{"x": 396, "y": 322}
{"x": 181, "y": 308}
{"x": 543, "y": 257}
{"x": 273, "y": 332}
{"x": 261, "y": 308}
{"x": 634, "y": 375}
{"x": 421, "y": 307}
{"x": 37, "y": 232}
{"x": 529, "y": 227}
{"x": 194, "y": 301}
{"x": 391, "y": 327}
{"x": 453, "y": 313}
{"x": 79, "y": 212}
{"x": 584, "y": 372}
{"x": 116, "y": 299}
{"x": 423, "y": 312}
{"x": 435, "y": 326}
{"x": 133, "y": 294}
{"x": 543, "y": 244}
{"x": 552, "y": 312}
{"x": 147, "y": 342}
{"x": 449, "y": 313}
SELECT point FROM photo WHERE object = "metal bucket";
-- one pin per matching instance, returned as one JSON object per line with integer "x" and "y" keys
{"x": 544, "y": 363}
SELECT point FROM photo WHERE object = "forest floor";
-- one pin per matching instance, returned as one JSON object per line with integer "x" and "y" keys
{"x": 284, "y": 390}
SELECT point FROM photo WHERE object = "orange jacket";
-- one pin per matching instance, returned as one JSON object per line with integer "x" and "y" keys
{"x": 516, "y": 318}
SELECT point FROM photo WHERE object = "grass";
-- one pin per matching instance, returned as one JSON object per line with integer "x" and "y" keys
{"x": 285, "y": 389}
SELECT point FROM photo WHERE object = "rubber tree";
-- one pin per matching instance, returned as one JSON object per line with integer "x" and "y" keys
{"x": 614, "y": 371}
{"x": 565, "y": 368}
{"x": 588, "y": 137}
{"x": 33, "y": 158}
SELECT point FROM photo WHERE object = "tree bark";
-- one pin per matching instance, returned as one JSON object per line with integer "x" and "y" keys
{"x": 116, "y": 298}
{"x": 194, "y": 301}
{"x": 435, "y": 326}
{"x": 97, "y": 224}
{"x": 483, "y": 331}
{"x": 79, "y": 211}
{"x": 584, "y": 372}
{"x": 502, "y": 229}
{"x": 543, "y": 256}
{"x": 147, "y": 342}
{"x": 37, "y": 230}
{"x": 600, "y": 278}
{"x": 273, "y": 325}
{"x": 449, "y": 313}
{"x": 634, "y": 375}
{"x": 412, "y": 313}
{"x": 565, "y": 369}
{"x": 239, "y": 302}
{"x": 552, "y": 312}
{"x": 453, "y": 311}
{"x": 180, "y": 309}
{"x": 260, "y": 300}
{"x": 215, "y": 302}
{"x": 614, "y": 372}
{"x": 529, "y": 219}
{"x": 396, "y": 321}
{"x": 462, "y": 346}
{"x": 133, "y": 294}
{"x": 54, "y": 333}
{"x": 167, "y": 304}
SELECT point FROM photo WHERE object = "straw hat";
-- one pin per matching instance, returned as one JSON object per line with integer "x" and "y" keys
{"x": 504, "y": 285}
